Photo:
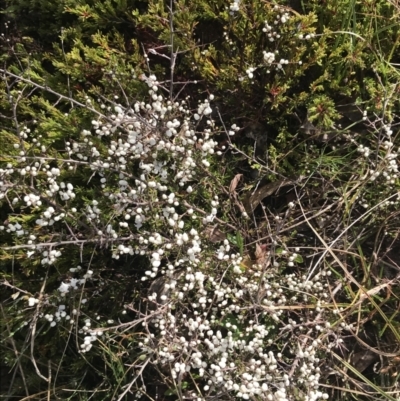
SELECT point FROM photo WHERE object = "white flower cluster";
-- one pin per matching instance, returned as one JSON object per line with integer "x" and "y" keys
{"x": 14, "y": 228}
{"x": 88, "y": 340}
{"x": 167, "y": 149}
{"x": 222, "y": 340}
{"x": 32, "y": 301}
{"x": 364, "y": 150}
{"x": 73, "y": 283}
{"x": 61, "y": 314}
{"x": 210, "y": 313}
{"x": 53, "y": 318}
{"x": 386, "y": 165}
{"x": 93, "y": 212}
{"x": 48, "y": 217}
{"x": 50, "y": 256}
{"x": 234, "y": 7}
{"x": 32, "y": 200}
{"x": 66, "y": 191}
{"x": 273, "y": 35}
{"x": 204, "y": 109}
{"x": 280, "y": 19}
{"x": 275, "y": 31}
{"x": 250, "y": 72}
{"x": 269, "y": 57}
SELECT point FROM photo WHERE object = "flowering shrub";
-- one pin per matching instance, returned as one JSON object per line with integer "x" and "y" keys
{"x": 155, "y": 248}
{"x": 216, "y": 323}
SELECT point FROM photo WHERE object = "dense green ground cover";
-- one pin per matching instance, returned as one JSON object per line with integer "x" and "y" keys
{"x": 199, "y": 200}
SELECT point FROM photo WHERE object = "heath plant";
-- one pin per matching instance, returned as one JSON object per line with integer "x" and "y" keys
{"x": 209, "y": 214}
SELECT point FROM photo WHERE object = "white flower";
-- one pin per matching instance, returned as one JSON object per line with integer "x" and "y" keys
{"x": 30, "y": 253}
{"x": 207, "y": 111}
{"x": 269, "y": 58}
{"x": 32, "y": 301}
{"x": 64, "y": 288}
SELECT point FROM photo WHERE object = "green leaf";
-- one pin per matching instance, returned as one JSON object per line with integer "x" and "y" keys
{"x": 239, "y": 241}
{"x": 299, "y": 259}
